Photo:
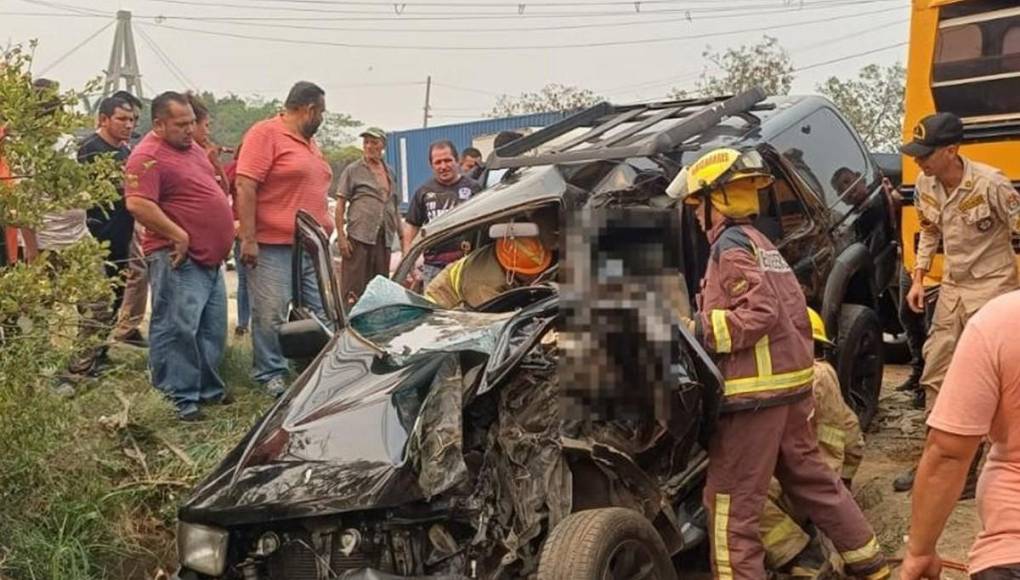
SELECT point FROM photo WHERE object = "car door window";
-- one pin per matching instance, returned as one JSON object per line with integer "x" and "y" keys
{"x": 827, "y": 156}
{"x": 313, "y": 247}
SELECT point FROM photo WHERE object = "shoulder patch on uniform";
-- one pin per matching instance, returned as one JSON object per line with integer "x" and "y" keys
{"x": 738, "y": 287}
{"x": 732, "y": 238}
{"x": 929, "y": 199}
{"x": 972, "y": 202}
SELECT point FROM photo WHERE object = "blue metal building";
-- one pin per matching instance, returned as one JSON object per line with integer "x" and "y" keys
{"x": 407, "y": 151}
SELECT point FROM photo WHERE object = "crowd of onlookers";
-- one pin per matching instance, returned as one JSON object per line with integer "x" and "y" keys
{"x": 185, "y": 205}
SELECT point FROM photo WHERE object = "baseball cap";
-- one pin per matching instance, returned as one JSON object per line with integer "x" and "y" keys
{"x": 374, "y": 132}
{"x": 932, "y": 132}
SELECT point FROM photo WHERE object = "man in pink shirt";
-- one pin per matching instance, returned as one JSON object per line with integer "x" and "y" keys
{"x": 171, "y": 188}
{"x": 980, "y": 398}
{"x": 280, "y": 171}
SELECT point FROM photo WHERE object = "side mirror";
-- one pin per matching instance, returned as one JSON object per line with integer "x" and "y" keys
{"x": 303, "y": 339}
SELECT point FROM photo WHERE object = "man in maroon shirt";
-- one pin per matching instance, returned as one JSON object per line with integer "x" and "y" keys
{"x": 171, "y": 189}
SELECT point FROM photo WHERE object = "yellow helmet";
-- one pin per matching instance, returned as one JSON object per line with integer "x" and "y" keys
{"x": 729, "y": 178}
{"x": 818, "y": 327}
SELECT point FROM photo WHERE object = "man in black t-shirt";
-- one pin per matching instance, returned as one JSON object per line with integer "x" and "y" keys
{"x": 112, "y": 224}
{"x": 447, "y": 189}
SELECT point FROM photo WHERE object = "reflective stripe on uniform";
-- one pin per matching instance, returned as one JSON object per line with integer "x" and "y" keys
{"x": 781, "y": 532}
{"x": 721, "y": 331}
{"x": 869, "y": 551}
{"x": 831, "y": 436}
{"x": 455, "y": 272}
{"x": 763, "y": 357}
{"x": 720, "y": 537}
{"x": 782, "y": 381}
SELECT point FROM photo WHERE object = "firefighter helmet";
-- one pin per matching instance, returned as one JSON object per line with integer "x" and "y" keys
{"x": 727, "y": 177}
{"x": 525, "y": 255}
{"x": 818, "y": 328}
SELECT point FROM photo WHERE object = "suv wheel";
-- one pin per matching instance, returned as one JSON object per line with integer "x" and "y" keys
{"x": 605, "y": 544}
{"x": 859, "y": 360}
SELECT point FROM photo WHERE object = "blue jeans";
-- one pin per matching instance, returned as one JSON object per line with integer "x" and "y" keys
{"x": 269, "y": 286}
{"x": 243, "y": 306}
{"x": 188, "y": 330}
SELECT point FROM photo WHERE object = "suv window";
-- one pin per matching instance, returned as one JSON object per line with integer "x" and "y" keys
{"x": 825, "y": 154}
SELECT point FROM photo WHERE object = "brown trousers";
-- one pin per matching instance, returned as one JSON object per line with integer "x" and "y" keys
{"x": 136, "y": 290}
{"x": 366, "y": 262}
{"x": 746, "y": 450}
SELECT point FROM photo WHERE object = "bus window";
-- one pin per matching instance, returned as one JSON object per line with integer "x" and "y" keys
{"x": 976, "y": 70}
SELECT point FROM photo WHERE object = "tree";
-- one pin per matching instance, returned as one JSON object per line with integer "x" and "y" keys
{"x": 38, "y": 318}
{"x": 552, "y": 97}
{"x": 873, "y": 102}
{"x": 766, "y": 64}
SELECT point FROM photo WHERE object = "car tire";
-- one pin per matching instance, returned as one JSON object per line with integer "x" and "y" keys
{"x": 605, "y": 543}
{"x": 859, "y": 360}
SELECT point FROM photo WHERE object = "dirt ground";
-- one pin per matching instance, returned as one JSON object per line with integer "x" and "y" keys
{"x": 893, "y": 444}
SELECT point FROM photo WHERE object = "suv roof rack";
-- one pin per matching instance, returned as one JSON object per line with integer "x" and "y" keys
{"x": 697, "y": 116}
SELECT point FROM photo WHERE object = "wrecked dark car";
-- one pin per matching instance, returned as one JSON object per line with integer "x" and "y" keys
{"x": 555, "y": 431}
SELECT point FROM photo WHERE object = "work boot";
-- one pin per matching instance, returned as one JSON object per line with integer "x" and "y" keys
{"x": 905, "y": 481}
{"x": 919, "y": 400}
{"x": 912, "y": 384}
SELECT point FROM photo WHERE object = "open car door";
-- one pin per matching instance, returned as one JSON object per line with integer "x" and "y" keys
{"x": 305, "y": 333}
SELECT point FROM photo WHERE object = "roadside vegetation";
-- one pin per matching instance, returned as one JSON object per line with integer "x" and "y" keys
{"x": 91, "y": 488}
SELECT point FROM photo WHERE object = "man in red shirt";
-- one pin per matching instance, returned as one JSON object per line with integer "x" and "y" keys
{"x": 171, "y": 188}
{"x": 280, "y": 171}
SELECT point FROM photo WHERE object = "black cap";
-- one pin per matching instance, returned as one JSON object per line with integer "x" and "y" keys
{"x": 934, "y": 131}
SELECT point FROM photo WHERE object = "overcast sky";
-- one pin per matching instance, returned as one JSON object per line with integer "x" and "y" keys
{"x": 372, "y": 57}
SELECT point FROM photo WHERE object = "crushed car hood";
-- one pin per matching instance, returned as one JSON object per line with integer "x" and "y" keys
{"x": 344, "y": 435}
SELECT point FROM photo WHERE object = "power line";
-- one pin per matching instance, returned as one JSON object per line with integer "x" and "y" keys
{"x": 493, "y": 47}
{"x": 74, "y": 49}
{"x": 850, "y": 57}
{"x": 625, "y": 89}
{"x": 514, "y": 5}
{"x": 54, "y": 14}
{"x": 274, "y": 23}
{"x": 69, "y": 7}
{"x": 398, "y": 11}
{"x": 166, "y": 60}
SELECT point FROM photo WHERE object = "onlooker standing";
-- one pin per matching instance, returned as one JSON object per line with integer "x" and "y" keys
{"x": 368, "y": 207}
{"x": 113, "y": 225}
{"x": 447, "y": 189}
{"x": 280, "y": 171}
{"x": 471, "y": 163}
{"x": 136, "y": 283}
{"x": 172, "y": 191}
{"x": 972, "y": 210}
{"x": 980, "y": 398}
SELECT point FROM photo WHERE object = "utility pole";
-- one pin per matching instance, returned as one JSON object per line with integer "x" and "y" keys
{"x": 428, "y": 95}
{"x": 123, "y": 60}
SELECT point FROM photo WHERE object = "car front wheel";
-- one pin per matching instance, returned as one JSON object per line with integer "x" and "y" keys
{"x": 859, "y": 360}
{"x": 605, "y": 544}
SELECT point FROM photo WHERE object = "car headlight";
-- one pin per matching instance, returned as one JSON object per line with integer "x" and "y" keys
{"x": 202, "y": 548}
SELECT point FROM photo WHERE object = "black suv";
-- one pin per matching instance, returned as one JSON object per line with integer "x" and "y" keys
{"x": 423, "y": 443}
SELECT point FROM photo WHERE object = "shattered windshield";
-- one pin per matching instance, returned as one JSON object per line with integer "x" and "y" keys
{"x": 404, "y": 324}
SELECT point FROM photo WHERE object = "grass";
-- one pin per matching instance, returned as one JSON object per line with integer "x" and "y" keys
{"x": 92, "y": 483}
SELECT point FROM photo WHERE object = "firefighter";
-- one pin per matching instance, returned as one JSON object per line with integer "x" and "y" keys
{"x": 972, "y": 210}
{"x": 489, "y": 271}
{"x": 788, "y": 547}
{"x": 753, "y": 317}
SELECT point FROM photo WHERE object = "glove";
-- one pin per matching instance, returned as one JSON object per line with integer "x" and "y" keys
{"x": 689, "y": 324}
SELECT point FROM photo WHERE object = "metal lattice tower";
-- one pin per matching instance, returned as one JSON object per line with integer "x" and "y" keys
{"x": 123, "y": 60}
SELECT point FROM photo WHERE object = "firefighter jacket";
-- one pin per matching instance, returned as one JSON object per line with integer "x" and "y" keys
{"x": 752, "y": 315}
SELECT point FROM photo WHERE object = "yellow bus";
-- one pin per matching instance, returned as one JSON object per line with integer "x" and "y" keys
{"x": 964, "y": 59}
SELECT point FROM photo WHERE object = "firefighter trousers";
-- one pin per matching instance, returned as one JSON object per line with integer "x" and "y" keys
{"x": 747, "y": 449}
